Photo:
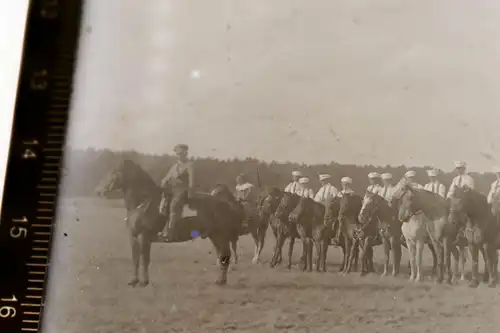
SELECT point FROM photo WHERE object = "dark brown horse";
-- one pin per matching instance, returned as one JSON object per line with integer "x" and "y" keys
{"x": 377, "y": 210}
{"x": 470, "y": 210}
{"x": 283, "y": 229}
{"x": 308, "y": 216}
{"x": 267, "y": 204}
{"x": 142, "y": 198}
{"x": 355, "y": 234}
{"x": 331, "y": 232}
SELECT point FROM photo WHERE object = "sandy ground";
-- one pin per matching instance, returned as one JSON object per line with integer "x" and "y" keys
{"x": 88, "y": 289}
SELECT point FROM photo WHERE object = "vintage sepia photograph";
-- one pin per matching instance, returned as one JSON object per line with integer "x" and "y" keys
{"x": 281, "y": 166}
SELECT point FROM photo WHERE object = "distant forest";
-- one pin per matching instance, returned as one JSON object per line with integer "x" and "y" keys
{"x": 85, "y": 170}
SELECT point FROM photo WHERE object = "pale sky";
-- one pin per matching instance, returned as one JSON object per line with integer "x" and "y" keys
{"x": 353, "y": 81}
{"x": 12, "y": 27}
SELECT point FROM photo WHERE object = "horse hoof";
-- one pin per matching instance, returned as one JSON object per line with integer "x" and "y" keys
{"x": 462, "y": 278}
{"x": 144, "y": 284}
{"x": 492, "y": 284}
{"x": 439, "y": 281}
{"x": 473, "y": 284}
{"x": 449, "y": 282}
{"x": 220, "y": 282}
{"x": 255, "y": 260}
{"x": 133, "y": 283}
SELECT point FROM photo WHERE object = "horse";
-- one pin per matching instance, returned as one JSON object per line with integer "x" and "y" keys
{"x": 331, "y": 232}
{"x": 424, "y": 213}
{"x": 470, "y": 209}
{"x": 267, "y": 204}
{"x": 354, "y": 234}
{"x": 283, "y": 229}
{"x": 222, "y": 192}
{"x": 142, "y": 198}
{"x": 308, "y": 216}
{"x": 376, "y": 209}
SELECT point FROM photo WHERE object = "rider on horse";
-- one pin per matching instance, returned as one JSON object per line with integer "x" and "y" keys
{"x": 410, "y": 178}
{"x": 374, "y": 179}
{"x": 178, "y": 186}
{"x": 327, "y": 190}
{"x": 304, "y": 190}
{"x": 434, "y": 185}
{"x": 246, "y": 195}
{"x": 386, "y": 191}
{"x": 294, "y": 186}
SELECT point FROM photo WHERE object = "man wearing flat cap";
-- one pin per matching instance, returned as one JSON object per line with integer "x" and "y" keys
{"x": 305, "y": 191}
{"x": 374, "y": 179}
{"x": 386, "y": 191}
{"x": 463, "y": 179}
{"x": 178, "y": 183}
{"x": 410, "y": 178}
{"x": 294, "y": 186}
{"x": 434, "y": 185}
{"x": 327, "y": 191}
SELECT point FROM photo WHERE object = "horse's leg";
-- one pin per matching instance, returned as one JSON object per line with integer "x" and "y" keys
{"x": 325, "y": 240}
{"x": 261, "y": 238}
{"x": 223, "y": 250}
{"x": 447, "y": 249}
{"x": 136, "y": 250}
{"x": 364, "y": 256}
{"x": 412, "y": 249}
{"x": 387, "y": 253}
{"x": 434, "y": 258}
{"x": 145, "y": 240}
{"x": 418, "y": 244}
{"x": 491, "y": 252}
{"x": 255, "y": 237}
{"x": 234, "y": 248}
{"x": 456, "y": 259}
{"x": 344, "y": 253}
{"x": 318, "y": 245}
{"x": 280, "y": 240}
{"x": 347, "y": 253}
{"x": 474, "y": 253}
{"x": 462, "y": 253}
{"x": 290, "y": 251}
{"x": 353, "y": 254}
{"x": 396, "y": 254}
{"x": 309, "y": 245}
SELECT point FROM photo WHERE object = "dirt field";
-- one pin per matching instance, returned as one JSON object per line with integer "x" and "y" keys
{"x": 89, "y": 292}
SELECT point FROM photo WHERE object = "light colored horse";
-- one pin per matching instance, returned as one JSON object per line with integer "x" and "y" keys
{"x": 425, "y": 216}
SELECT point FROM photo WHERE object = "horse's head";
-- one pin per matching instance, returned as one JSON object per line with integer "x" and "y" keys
{"x": 302, "y": 208}
{"x": 332, "y": 207}
{"x": 465, "y": 203}
{"x": 350, "y": 204}
{"x": 408, "y": 203}
{"x": 269, "y": 201}
{"x": 121, "y": 176}
{"x": 371, "y": 207}
{"x": 287, "y": 203}
{"x": 222, "y": 191}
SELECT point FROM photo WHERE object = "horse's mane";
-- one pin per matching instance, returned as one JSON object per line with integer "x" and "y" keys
{"x": 138, "y": 174}
{"x": 431, "y": 203}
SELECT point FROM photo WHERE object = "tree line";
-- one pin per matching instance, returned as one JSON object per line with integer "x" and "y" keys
{"x": 85, "y": 170}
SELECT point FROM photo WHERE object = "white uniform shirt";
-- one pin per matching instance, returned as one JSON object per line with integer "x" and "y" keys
{"x": 460, "y": 181}
{"x": 326, "y": 192}
{"x": 386, "y": 192}
{"x": 305, "y": 192}
{"x": 416, "y": 185}
{"x": 293, "y": 187}
{"x": 494, "y": 191}
{"x": 436, "y": 187}
{"x": 374, "y": 188}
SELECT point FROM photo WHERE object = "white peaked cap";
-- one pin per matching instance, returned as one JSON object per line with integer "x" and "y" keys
{"x": 324, "y": 176}
{"x": 460, "y": 164}
{"x": 386, "y": 176}
{"x": 432, "y": 173}
{"x": 410, "y": 173}
{"x": 373, "y": 175}
{"x": 296, "y": 173}
{"x": 346, "y": 180}
{"x": 303, "y": 180}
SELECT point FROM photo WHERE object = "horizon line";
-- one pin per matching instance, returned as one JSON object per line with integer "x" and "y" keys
{"x": 302, "y": 164}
